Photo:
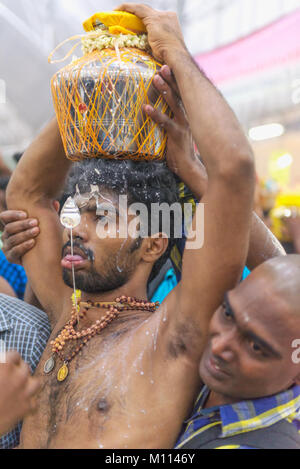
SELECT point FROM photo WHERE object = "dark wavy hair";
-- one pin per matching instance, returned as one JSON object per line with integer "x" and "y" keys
{"x": 144, "y": 182}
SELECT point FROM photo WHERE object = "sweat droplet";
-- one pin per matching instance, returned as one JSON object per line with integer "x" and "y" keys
{"x": 70, "y": 215}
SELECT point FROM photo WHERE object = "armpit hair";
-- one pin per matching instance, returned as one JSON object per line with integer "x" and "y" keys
{"x": 183, "y": 340}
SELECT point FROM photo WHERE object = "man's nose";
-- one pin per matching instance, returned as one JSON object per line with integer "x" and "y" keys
{"x": 80, "y": 231}
{"x": 223, "y": 346}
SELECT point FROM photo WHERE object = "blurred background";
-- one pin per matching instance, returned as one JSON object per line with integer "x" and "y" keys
{"x": 249, "y": 48}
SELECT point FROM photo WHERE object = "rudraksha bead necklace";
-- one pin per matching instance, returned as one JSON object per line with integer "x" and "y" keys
{"x": 69, "y": 332}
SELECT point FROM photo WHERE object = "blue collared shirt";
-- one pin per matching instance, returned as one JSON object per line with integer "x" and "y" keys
{"x": 241, "y": 417}
{"x": 14, "y": 274}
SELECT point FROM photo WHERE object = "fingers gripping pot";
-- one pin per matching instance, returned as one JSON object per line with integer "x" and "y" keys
{"x": 99, "y": 98}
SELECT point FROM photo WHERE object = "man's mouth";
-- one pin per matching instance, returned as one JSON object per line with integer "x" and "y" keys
{"x": 77, "y": 259}
{"x": 215, "y": 368}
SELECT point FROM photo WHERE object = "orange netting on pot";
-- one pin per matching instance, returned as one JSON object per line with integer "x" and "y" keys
{"x": 99, "y": 98}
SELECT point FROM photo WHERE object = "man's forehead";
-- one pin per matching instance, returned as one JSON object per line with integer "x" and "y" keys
{"x": 103, "y": 202}
{"x": 95, "y": 197}
{"x": 263, "y": 310}
{"x": 256, "y": 291}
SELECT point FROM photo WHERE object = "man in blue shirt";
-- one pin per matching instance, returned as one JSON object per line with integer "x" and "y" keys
{"x": 251, "y": 365}
{"x": 14, "y": 274}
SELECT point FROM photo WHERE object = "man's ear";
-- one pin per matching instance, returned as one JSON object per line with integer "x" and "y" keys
{"x": 56, "y": 205}
{"x": 155, "y": 247}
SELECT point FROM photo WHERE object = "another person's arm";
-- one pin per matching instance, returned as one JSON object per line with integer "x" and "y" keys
{"x": 19, "y": 234}
{"x": 6, "y": 288}
{"x": 17, "y": 391}
{"x": 263, "y": 244}
{"x": 293, "y": 225}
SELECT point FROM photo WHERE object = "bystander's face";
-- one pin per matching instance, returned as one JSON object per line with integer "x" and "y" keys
{"x": 249, "y": 350}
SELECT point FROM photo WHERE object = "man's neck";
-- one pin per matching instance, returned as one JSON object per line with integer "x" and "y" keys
{"x": 92, "y": 315}
{"x": 138, "y": 292}
{"x": 217, "y": 400}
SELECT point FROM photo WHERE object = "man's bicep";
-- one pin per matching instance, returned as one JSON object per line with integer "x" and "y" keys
{"x": 42, "y": 263}
{"x": 210, "y": 270}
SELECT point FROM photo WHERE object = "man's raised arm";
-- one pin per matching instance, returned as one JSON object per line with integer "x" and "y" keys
{"x": 36, "y": 183}
{"x": 215, "y": 268}
{"x": 184, "y": 161}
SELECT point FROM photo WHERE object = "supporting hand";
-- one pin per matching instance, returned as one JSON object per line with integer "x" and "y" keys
{"x": 17, "y": 391}
{"x": 18, "y": 235}
{"x": 182, "y": 158}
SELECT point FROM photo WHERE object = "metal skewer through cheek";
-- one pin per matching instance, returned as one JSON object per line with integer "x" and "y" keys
{"x": 70, "y": 218}
{"x": 73, "y": 276}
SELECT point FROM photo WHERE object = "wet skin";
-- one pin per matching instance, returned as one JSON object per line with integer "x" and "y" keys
{"x": 119, "y": 392}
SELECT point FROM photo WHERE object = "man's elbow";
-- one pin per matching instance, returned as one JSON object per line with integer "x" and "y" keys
{"x": 239, "y": 169}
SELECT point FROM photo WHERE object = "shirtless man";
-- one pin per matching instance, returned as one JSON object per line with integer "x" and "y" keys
{"x": 135, "y": 383}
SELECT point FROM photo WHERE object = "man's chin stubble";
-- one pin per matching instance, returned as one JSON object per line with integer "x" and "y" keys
{"x": 95, "y": 283}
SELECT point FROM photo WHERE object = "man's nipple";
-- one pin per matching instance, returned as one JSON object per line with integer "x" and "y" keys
{"x": 103, "y": 406}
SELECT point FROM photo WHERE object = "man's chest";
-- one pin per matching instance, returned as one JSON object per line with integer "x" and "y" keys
{"x": 112, "y": 404}
{"x": 117, "y": 385}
